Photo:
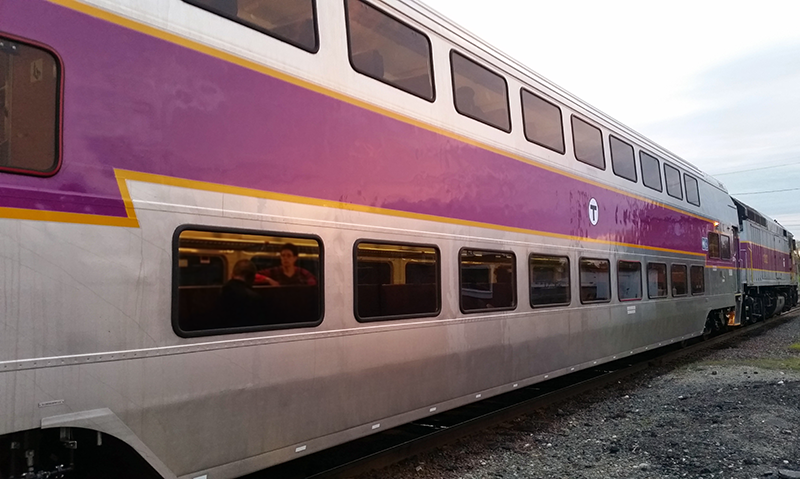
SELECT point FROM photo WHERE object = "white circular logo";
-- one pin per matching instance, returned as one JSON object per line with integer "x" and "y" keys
{"x": 594, "y": 211}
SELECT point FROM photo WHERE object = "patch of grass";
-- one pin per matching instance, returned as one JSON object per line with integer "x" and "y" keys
{"x": 785, "y": 364}
{"x": 795, "y": 346}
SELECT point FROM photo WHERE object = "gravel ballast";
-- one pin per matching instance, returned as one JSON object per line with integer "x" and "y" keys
{"x": 730, "y": 412}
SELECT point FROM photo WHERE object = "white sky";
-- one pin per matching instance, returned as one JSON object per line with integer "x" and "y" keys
{"x": 715, "y": 82}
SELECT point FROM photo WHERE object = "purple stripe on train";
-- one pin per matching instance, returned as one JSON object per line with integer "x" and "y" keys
{"x": 759, "y": 257}
{"x": 139, "y": 103}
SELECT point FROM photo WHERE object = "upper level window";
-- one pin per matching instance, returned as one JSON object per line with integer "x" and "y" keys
{"x": 673, "y": 178}
{"x": 595, "y": 280}
{"x": 30, "y": 117}
{"x": 549, "y": 282}
{"x": 724, "y": 247}
{"x": 396, "y": 281}
{"x": 692, "y": 190}
{"x": 480, "y": 93}
{"x": 542, "y": 122}
{"x": 713, "y": 245}
{"x": 388, "y": 50}
{"x": 588, "y": 142}
{"x": 291, "y": 21}
{"x": 622, "y": 160}
{"x": 629, "y": 279}
{"x": 228, "y": 281}
{"x": 651, "y": 171}
{"x": 488, "y": 280}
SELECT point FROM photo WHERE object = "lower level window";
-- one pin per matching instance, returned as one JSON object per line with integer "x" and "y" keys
{"x": 394, "y": 281}
{"x": 487, "y": 280}
{"x": 549, "y": 280}
{"x": 678, "y": 277}
{"x": 657, "y": 280}
{"x": 698, "y": 279}
{"x": 629, "y": 279}
{"x": 233, "y": 281}
{"x": 595, "y": 280}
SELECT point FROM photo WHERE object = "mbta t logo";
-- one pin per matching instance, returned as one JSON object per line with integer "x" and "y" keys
{"x": 594, "y": 211}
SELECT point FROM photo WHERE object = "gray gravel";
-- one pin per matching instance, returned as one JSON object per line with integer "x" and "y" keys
{"x": 733, "y": 412}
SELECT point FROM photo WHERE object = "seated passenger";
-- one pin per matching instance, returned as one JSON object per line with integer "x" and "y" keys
{"x": 239, "y": 303}
{"x": 287, "y": 273}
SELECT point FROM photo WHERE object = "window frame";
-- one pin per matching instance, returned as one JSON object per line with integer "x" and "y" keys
{"x": 453, "y": 52}
{"x": 372, "y": 319}
{"x": 694, "y": 267}
{"x": 660, "y": 188}
{"x": 253, "y": 26}
{"x": 611, "y": 137}
{"x": 686, "y": 177}
{"x": 650, "y": 294}
{"x": 569, "y": 281}
{"x": 515, "y": 301}
{"x": 431, "y": 71}
{"x": 672, "y": 281}
{"x": 175, "y": 313}
{"x": 58, "y": 135}
{"x": 666, "y": 181}
{"x": 710, "y": 242}
{"x": 619, "y": 283}
{"x": 610, "y": 289}
{"x": 522, "y": 92}
{"x": 730, "y": 247}
{"x": 572, "y": 119}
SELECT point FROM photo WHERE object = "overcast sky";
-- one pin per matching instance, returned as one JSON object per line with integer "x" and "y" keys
{"x": 715, "y": 82}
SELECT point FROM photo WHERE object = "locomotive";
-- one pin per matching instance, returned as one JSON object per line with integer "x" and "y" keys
{"x": 446, "y": 224}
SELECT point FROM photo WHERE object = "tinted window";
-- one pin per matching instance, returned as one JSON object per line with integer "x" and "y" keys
{"x": 411, "y": 291}
{"x": 549, "y": 280}
{"x": 678, "y": 277}
{"x": 725, "y": 247}
{"x": 595, "y": 280}
{"x": 622, "y": 160}
{"x": 673, "y": 178}
{"x": 233, "y": 281}
{"x": 29, "y": 109}
{"x": 692, "y": 191}
{"x": 291, "y": 21}
{"x": 480, "y": 93}
{"x": 713, "y": 245}
{"x": 542, "y": 121}
{"x": 389, "y": 50}
{"x": 588, "y": 142}
{"x": 629, "y": 277}
{"x": 657, "y": 280}
{"x": 488, "y": 280}
{"x": 651, "y": 171}
{"x": 698, "y": 279}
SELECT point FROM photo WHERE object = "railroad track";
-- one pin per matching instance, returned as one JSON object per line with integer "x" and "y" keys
{"x": 391, "y": 446}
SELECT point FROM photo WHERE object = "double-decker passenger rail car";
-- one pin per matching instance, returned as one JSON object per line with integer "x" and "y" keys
{"x": 237, "y": 232}
{"x": 766, "y": 265}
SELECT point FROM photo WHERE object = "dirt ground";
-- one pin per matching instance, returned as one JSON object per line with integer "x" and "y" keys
{"x": 730, "y": 412}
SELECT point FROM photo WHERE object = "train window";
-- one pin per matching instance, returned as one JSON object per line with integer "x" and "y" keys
{"x": 595, "y": 280}
{"x": 488, "y": 280}
{"x": 542, "y": 122}
{"x": 622, "y": 159}
{"x": 678, "y": 279}
{"x": 629, "y": 279}
{"x": 410, "y": 290}
{"x": 692, "y": 190}
{"x": 479, "y": 93}
{"x": 388, "y": 50}
{"x": 651, "y": 171}
{"x": 228, "y": 281}
{"x": 673, "y": 179}
{"x": 724, "y": 247}
{"x": 549, "y": 280}
{"x": 290, "y": 21}
{"x": 713, "y": 245}
{"x": 30, "y": 109}
{"x": 657, "y": 280}
{"x": 698, "y": 279}
{"x": 588, "y": 142}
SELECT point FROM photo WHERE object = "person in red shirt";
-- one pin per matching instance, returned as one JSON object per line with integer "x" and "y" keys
{"x": 288, "y": 273}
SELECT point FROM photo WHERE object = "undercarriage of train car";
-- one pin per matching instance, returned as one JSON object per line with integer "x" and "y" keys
{"x": 69, "y": 453}
{"x": 764, "y": 302}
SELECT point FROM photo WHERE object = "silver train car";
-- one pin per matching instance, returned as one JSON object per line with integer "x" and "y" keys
{"x": 237, "y": 232}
